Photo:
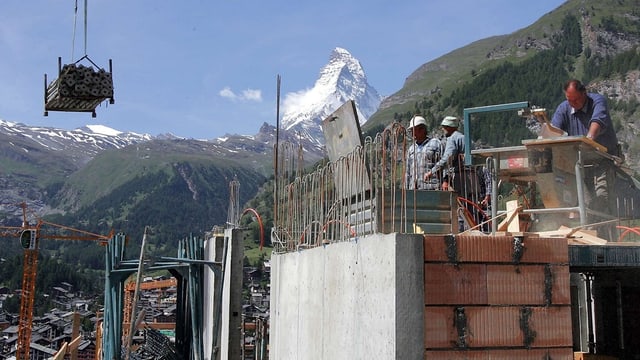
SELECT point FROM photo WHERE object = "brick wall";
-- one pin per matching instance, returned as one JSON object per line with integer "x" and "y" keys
{"x": 497, "y": 297}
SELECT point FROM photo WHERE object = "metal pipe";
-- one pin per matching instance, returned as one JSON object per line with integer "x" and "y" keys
{"x": 275, "y": 156}
{"x": 550, "y": 210}
{"x": 580, "y": 187}
{"x": 195, "y": 302}
{"x": 494, "y": 192}
{"x": 491, "y": 108}
{"x": 215, "y": 343}
{"x": 136, "y": 293}
{"x": 591, "y": 339}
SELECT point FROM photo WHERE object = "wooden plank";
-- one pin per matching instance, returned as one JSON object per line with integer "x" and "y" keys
{"x": 61, "y": 353}
{"x": 513, "y": 209}
{"x": 576, "y": 236}
{"x": 577, "y": 139}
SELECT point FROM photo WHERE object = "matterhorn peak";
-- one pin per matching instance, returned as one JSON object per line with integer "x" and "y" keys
{"x": 341, "y": 63}
{"x": 341, "y": 79}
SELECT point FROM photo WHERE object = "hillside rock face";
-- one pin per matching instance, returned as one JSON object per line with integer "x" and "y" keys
{"x": 626, "y": 88}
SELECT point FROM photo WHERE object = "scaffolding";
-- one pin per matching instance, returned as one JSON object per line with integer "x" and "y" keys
{"x": 187, "y": 268}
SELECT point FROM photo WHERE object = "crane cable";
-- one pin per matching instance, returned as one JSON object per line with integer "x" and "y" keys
{"x": 75, "y": 21}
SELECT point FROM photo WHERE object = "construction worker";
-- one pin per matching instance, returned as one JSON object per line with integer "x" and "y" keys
{"x": 420, "y": 156}
{"x": 451, "y": 160}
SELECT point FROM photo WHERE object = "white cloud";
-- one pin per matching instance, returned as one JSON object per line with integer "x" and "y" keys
{"x": 246, "y": 95}
{"x": 227, "y": 93}
{"x": 252, "y": 94}
{"x": 299, "y": 99}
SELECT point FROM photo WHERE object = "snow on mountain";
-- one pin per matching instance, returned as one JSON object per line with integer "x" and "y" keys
{"x": 341, "y": 80}
{"x": 80, "y": 144}
{"x": 105, "y": 130}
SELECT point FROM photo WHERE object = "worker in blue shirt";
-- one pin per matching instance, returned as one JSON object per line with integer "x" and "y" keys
{"x": 587, "y": 114}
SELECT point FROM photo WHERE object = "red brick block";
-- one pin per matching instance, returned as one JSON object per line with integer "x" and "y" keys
{"x": 528, "y": 285}
{"x": 552, "y": 326}
{"x": 500, "y": 354}
{"x": 435, "y": 248}
{"x": 494, "y": 326}
{"x": 545, "y": 250}
{"x": 483, "y": 248}
{"x": 447, "y": 284}
{"x": 482, "y": 327}
{"x": 440, "y": 332}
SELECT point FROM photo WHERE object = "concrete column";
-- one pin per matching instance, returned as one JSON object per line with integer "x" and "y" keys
{"x": 231, "y": 336}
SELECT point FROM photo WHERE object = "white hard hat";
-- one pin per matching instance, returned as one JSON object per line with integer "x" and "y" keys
{"x": 450, "y": 121}
{"x": 417, "y": 120}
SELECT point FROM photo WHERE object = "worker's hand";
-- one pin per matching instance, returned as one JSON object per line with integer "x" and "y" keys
{"x": 486, "y": 200}
{"x": 445, "y": 186}
{"x": 427, "y": 176}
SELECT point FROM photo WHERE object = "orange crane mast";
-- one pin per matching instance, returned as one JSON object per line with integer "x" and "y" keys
{"x": 129, "y": 292}
{"x": 30, "y": 236}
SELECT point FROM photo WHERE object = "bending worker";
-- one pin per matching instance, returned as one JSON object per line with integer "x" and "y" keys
{"x": 587, "y": 114}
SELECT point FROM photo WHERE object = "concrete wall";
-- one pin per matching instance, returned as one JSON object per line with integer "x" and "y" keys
{"x": 231, "y": 313}
{"x": 361, "y": 299}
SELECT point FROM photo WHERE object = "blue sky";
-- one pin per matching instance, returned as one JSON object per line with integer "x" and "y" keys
{"x": 203, "y": 68}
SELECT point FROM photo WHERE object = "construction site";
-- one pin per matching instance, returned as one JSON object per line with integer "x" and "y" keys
{"x": 195, "y": 313}
{"x": 363, "y": 268}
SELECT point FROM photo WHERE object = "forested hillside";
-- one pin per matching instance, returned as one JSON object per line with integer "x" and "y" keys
{"x": 177, "y": 188}
{"x": 598, "y": 44}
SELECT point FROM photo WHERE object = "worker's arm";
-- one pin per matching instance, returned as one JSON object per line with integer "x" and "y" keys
{"x": 599, "y": 118}
{"x": 594, "y": 130}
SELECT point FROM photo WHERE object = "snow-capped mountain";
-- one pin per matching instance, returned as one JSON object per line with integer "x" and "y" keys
{"x": 33, "y": 159}
{"x": 37, "y": 160}
{"x": 80, "y": 145}
{"x": 341, "y": 80}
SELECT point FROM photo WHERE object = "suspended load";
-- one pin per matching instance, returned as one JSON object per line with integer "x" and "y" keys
{"x": 78, "y": 88}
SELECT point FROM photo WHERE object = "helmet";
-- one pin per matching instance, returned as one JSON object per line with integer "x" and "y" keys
{"x": 417, "y": 120}
{"x": 450, "y": 121}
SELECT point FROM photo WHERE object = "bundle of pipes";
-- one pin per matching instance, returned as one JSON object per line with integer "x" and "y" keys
{"x": 81, "y": 82}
